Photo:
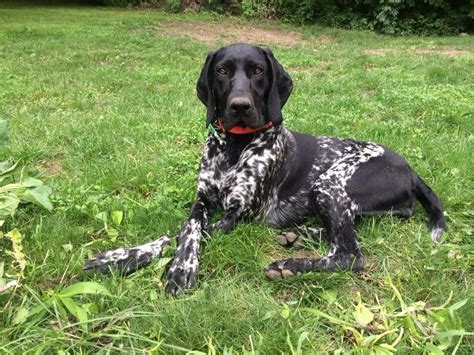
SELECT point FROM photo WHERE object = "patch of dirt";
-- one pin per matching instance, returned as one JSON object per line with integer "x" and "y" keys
{"x": 379, "y": 51}
{"x": 443, "y": 51}
{"x": 447, "y": 52}
{"x": 224, "y": 33}
{"x": 52, "y": 166}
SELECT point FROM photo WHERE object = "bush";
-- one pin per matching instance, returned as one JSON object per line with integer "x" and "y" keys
{"x": 170, "y": 5}
{"x": 384, "y": 16}
{"x": 440, "y": 17}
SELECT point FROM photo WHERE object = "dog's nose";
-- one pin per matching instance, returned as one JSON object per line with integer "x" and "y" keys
{"x": 240, "y": 104}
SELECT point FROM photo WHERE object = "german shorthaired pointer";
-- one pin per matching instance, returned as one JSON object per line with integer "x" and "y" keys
{"x": 253, "y": 167}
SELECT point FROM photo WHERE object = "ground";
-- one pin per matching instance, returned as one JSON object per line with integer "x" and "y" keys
{"x": 101, "y": 106}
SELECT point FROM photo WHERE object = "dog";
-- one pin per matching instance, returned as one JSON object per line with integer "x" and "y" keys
{"x": 254, "y": 167}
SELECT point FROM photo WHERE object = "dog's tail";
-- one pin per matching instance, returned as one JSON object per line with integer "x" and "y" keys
{"x": 433, "y": 207}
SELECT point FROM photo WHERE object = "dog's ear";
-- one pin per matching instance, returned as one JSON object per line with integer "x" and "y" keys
{"x": 205, "y": 90}
{"x": 279, "y": 88}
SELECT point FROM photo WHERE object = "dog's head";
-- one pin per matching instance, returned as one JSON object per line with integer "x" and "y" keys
{"x": 243, "y": 85}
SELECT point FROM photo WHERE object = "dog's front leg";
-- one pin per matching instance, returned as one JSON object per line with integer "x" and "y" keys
{"x": 228, "y": 221}
{"x": 183, "y": 271}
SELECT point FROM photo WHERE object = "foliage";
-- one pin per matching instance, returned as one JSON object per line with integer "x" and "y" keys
{"x": 13, "y": 192}
{"x": 61, "y": 304}
{"x": 387, "y": 327}
{"x": 169, "y": 5}
{"x": 26, "y": 189}
{"x": 440, "y": 17}
{"x": 385, "y": 16}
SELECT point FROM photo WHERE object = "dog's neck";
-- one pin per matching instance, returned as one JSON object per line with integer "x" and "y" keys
{"x": 235, "y": 144}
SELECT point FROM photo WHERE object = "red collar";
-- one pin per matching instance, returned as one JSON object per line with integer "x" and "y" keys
{"x": 243, "y": 130}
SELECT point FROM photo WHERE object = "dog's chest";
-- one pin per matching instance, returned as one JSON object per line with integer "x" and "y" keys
{"x": 245, "y": 177}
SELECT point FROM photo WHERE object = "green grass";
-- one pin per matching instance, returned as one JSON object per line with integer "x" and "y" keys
{"x": 104, "y": 111}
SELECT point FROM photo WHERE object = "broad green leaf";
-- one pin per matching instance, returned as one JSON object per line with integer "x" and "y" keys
{"x": 8, "y": 205}
{"x": 39, "y": 196}
{"x": 31, "y": 182}
{"x": 432, "y": 349}
{"x": 117, "y": 217}
{"x": 373, "y": 339}
{"x": 329, "y": 295}
{"x": 15, "y": 187}
{"x": 458, "y": 305}
{"x": 153, "y": 295}
{"x": 268, "y": 315}
{"x": 451, "y": 333}
{"x": 21, "y": 315}
{"x": 4, "y": 165}
{"x": 363, "y": 315}
{"x": 81, "y": 288}
{"x": 67, "y": 247}
{"x": 102, "y": 216}
{"x": 111, "y": 232}
{"x": 7, "y": 169}
{"x": 76, "y": 310}
{"x": 285, "y": 312}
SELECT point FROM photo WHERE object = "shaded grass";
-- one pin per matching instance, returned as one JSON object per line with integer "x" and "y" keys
{"x": 113, "y": 106}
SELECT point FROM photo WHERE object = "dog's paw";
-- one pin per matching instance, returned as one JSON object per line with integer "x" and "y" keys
{"x": 282, "y": 269}
{"x": 181, "y": 276}
{"x": 126, "y": 260}
{"x": 297, "y": 237}
{"x": 289, "y": 239}
{"x": 224, "y": 226}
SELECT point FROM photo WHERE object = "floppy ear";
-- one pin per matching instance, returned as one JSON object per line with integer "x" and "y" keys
{"x": 204, "y": 88}
{"x": 279, "y": 88}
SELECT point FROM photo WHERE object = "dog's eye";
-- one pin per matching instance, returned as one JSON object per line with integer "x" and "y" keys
{"x": 222, "y": 71}
{"x": 257, "y": 71}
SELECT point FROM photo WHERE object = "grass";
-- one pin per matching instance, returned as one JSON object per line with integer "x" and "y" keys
{"x": 103, "y": 110}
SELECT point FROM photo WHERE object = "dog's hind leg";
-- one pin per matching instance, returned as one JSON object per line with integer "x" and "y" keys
{"x": 335, "y": 211}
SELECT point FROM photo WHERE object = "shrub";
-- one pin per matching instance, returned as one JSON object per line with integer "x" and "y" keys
{"x": 385, "y": 16}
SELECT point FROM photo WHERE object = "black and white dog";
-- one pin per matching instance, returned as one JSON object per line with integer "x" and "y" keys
{"x": 253, "y": 167}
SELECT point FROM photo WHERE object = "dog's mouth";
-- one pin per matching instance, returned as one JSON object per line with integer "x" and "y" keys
{"x": 252, "y": 120}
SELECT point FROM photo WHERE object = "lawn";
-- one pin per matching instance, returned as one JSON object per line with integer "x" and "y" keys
{"x": 101, "y": 106}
